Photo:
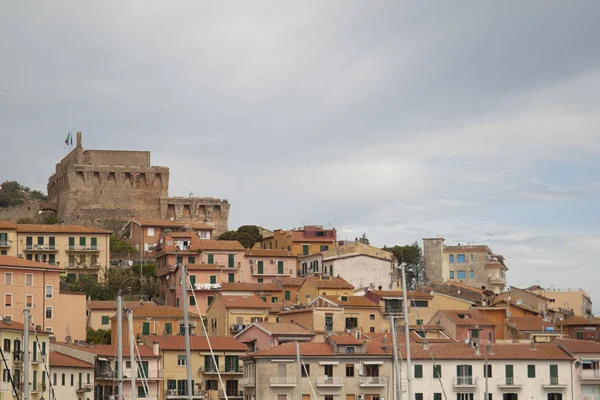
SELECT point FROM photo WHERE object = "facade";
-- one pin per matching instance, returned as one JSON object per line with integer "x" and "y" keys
{"x": 580, "y": 328}
{"x": 472, "y": 265}
{"x": 525, "y": 299}
{"x": 323, "y": 321}
{"x": 263, "y": 265}
{"x": 269, "y": 292}
{"x": 98, "y": 312}
{"x": 229, "y": 315}
{"x": 358, "y": 263}
{"x": 37, "y": 286}
{"x": 71, "y": 378}
{"x": 11, "y": 340}
{"x": 310, "y": 239}
{"x": 359, "y": 312}
{"x": 154, "y": 320}
{"x": 391, "y": 303}
{"x": 104, "y": 358}
{"x": 586, "y": 369}
{"x": 290, "y": 286}
{"x": 532, "y": 329}
{"x": 262, "y": 335}
{"x": 77, "y": 249}
{"x": 479, "y": 297}
{"x": 467, "y": 326}
{"x": 579, "y": 302}
{"x": 227, "y": 351}
{"x": 315, "y": 286}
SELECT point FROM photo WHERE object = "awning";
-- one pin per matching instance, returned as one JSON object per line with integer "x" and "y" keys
{"x": 329, "y": 362}
{"x": 102, "y": 359}
{"x": 373, "y": 362}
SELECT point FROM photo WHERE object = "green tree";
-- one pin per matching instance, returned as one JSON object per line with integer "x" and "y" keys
{"x": 12, "y": 193}
{"x": 100, "y": 336}
{"x": 247, "y": 235}
{"x": 120, "y": 245}
{"x": 412, "y": 257}
{"x": 364, "y": 239}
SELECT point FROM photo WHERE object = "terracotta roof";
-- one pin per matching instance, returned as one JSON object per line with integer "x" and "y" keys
{"x": 198, "y": 343}
{"x": 112, "y": 305}
{"x": 577, "y": 320}
{"x": 282, "y": 328}
{"x": 352, "y": 301}
{"x": 268, "y": 253}
{"x": 250, "y": 287}
{"x": 529, "y": 323}
{"x": 16, "y": 326}
{"x": 345, "y": 340}
{"x": 354, "y": 249}
{"x": 8, "y": 261}
{"x": 471, "y": 317}
{"x": 8, "y": 225}
{"x": 290, "y": 281}
{"x": 312, "y": 349}
{"x": 108, "y": 350}
{"x": 172, "y": 224}
{"x": 58, "y": 228}
{"x": 579, "y": 346}
{"x": 497, "y": 351}
{"x": 243, "y": 302}
{"x": 62, "y": 360}
{"x": 158, "y": 312}
{"x": 453, "y": 283}
{"x": 218, "y": 245}
{"x": 331, "y": 283}
{"x": 397, "y": 293}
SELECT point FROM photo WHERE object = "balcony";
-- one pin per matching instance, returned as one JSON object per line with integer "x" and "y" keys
{"x": 275, "y": 271}
{"x": 213, "y": 371}
{"x": 18, "y": 357}
{"x": 46, "y": 248}
{"x": 83, "y": 249}
{"x": 397, "y": 311}
{"x": 237, "y": 328}
{"x": 207, "y": 286}
{"x": 173, "y": 394}
{"x": 5, "y": 244}
{"x": 84, "y": 387}
{"x": 465, "y": 383}
{"x": 282, "y": 381}
{"x": 248, "y": 381}
{"x": 231, "y": 394}
{"x": 83, "y": 267}
{"x": 330, "y": 381}
{"x": 589, "y": 374}
{"x": 373, "y": 381}
{"x": 510, "y": 383}
{"x": 554, "y": 383}
{"x": 496, "y": 280}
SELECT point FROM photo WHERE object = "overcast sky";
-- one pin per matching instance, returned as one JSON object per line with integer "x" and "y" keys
{"x": 476, "y": 121}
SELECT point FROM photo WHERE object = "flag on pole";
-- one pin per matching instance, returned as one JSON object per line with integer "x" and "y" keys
{"x": 71, "y": 139}
{"x": 67, "y": 140}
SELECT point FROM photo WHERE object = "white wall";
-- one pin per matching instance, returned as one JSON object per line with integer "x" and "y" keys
{"x": 361, "y": 271}
{"x": 67, "y": 391}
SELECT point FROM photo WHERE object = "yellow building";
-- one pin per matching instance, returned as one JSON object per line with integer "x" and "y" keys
{"x": 315, "y": 286}
{"x": 227, "y": 352}
{"x": 78, "y": 249}
{"x": 11, "y": 337}
{"x": 577, "y": 301}
{"x": 98, "y": 313}
{"x": 359, "y": 312}
{"x": 310, "y": 239}
{"x": 229, "y": 315}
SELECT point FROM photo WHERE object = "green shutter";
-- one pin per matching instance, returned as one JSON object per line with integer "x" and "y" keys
{"x": 71, "y": 243}
{"x": 305, "y": 249}
{"x": 105, "y": 320}
{"x": 193, "y": 280}
{"x": 288, "y": 295}
{"x": 82, "y": 241}
{"x": 146, "y": 328}
{"x": 437, "y": 396}
{"x": 231, "y": 278}
{"x": 230, "y": 260}
{"x": 260, "y": 268}
{"x": 94, "y": 243}
{"x": 34, "y": 379}
{"x": 213, "y": 279}
{"x": 280, "y": 267}
{"x": 531, "y": 371}
{"x": 192, "y": 301}
{"x": 418, "y": 396}
{"x": 418, "y": 371}
{"x": 475, "y": 333}
{"x": 509, "y": 371}
{"x": 168, "y": 328}
{"x": 211, "y": 258}
{"x": 437, "y": 371}
{"x": 554, "y": 371}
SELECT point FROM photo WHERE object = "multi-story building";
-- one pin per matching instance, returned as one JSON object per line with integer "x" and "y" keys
{"x": 227, "y": 352}
{"x": 470, "y": 325}
{"x": 581, "y": 328}
{"x": 391, "y": 303}
{"x": 579, "y": 302}
{"x": 358, "y": 263}
{"x": 323, "y": 321}
{"x": 262, "y": 335}
{"x": 77, "y": 249}
{"x": 154, "y": 320}
{"x": 12, "y": 342}
{"x": 473, "y": 265}
{"x": 586, "y": 369}
{"x": 34, "y": 285}
{"x": 290, "y": 287}
{"x": 310, "y": 239}
{"x": 71, "y": 377}
{"x": 229, "y": 315}
{"x": 99, "y": 312}
{"x": 269, "y": 292}
{"x": 533, "y": 329}
{"x": 360, "y": 313}
{"x": 263, "y": 265}
{"x": 315, "y": 286}
{"x": 149, "y": 374}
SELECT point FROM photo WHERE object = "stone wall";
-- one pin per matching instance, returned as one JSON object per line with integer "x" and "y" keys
{"x": 196, "y": 209}
{"x": 433, "y": 253}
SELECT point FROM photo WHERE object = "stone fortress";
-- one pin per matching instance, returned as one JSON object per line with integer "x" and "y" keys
{"x": 103, "y": 188}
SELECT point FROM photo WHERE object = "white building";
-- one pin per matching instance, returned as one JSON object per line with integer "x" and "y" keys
{"x": 71, "y": 378}
{"x": 358, "y": 263}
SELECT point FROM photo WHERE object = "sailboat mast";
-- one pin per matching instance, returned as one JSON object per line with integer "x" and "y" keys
{"x": 120, "y": 344}
{"x": 131, "y": 352}
{"x": 406, "y": 332}
{"x": 299, "y": 385}
{"x": 26, "y": 366}
{"x": 397, "y": 381}
{"x": 186, "y": 324}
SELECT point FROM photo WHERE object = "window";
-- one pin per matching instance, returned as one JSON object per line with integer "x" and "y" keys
{"x": 451, "y": 274}
{"x": 305, "y": 249}
{"x": 8, "y": 300}
{"x": 274, "y": 299}
{"x": 451, "y": 258}
{"x": 105, "y": 320}
{"x": 554, "y": 374}
{"x": 531, "y": 371}
{"x": 418, "y": 371}
{"x": 52, "y": 259}
{"x": 288, "y": 295}
{"x": 213, "y": 279}
{"x": 49, "y": 292}
{"x": 472, "y": 274}
{"x": 419, "y": 322}
{"x": 350, "y": 349}
{"x": 210, "y": 299}
{"x": 28, "y": 300}
{"x": 192, "y": 301}
{"x": 324, "y": 248}
{"x": 437, "y": 371}
{"x": 191, "y": 260}
{"x": 328, "y": 370}
{"x": 460, "y": 258}
{"x": 579, "y": 335}
{"x": 82, "y": 241}
{"x": 372, "y": 317}
{"x": 418, "y": 396}
{"x": 212, "y": 384}
{"x": 419, "y": 303}
{"x": 305, "y": 370}
{"x": 465, "y": 396}
{"x": 230, "y": 260}
{"x": 181, "y": 360}
{"x": 260, "y": 280}
{"x": 150, "y": 232}
{"x": 7, "y": 345}
{"x": 63, "y": 380}
{"x": 471, "y": 258}
{"x": 142, "y": 392}
{"x": 231, "y": 278}
{"x": 55, "y": 379}
{"x": 329, "y": 397}
{"x": 462, "y": 275}
{"x": 508, "y": 370}
{"x": 28, "y": 279}
{"x": 487, "y": 373}
{"x": 48, "y": 312}
{"x": 351, "y": 323}
{"x": 372, "y": 329}
{"x": 72, "y": 379}
{"x": 437, "y": 396}
{"x": 510, "y": 396}
{"x": 464, "y": 374}
{"x": 179, "y": 260}
{"x": 349, "y": 370}
{"x": 168, "y": 328}
{"x": 211, "y": 258}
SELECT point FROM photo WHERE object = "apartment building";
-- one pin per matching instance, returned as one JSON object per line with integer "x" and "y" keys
{"x": 264, "y": 265}
{"x": 391, "y": 303}
{"x": 358, "y": 263}
{"x": 359, "y": 312}
{"x": 586, "y": 369}
{"x": 262, "y": 335}
{"x": 314, "y": 286}
{"x": 71, "y": 378}
{"x": 468, "y": 326}
{"x": 269, "y": 292}
{"x": 77, "y": 249}
{"x": 229, "y": 315}
{"x": 98, "y": 312}
{"x": 12, "y": 342}
{"x": 290, "y": 286}
{"x": 309, "y": 239}
{"x": 472, "y": 265}
{"x": 34, "y": 285}
{"x": 581, "y": 328}
{"x": 321, "y": 318}
{"x": 578, "y": 302}
{"x": 227, "y": 352}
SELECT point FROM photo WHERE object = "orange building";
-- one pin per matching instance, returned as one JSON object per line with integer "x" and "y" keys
{"x": 310, "y": 239}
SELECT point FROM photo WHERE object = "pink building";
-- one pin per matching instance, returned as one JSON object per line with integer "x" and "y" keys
{"x": 36, "y": 286}
{"x": 466, "y": 324}
{"x": 262, "y": 335}
{"x": 261, "y": 265}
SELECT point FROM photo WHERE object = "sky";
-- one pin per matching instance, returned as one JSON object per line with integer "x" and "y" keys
{"x": 473, "y": 121}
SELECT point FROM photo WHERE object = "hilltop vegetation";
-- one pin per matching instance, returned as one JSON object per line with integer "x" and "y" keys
{"x": 12, "y": 193}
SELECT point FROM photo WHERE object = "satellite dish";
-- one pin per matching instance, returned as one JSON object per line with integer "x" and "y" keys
{"x": 172, "y": 219}
{"x": 467, "y": 340}
{"x": 508, "y": 314}
{"x": 519, "y": 302}
{"x": 458, "y": 291}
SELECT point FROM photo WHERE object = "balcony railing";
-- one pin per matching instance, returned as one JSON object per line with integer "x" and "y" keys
{"x": 247, "y": 381}
{"x": 231, "y": 393}
{"x": 275, "y": 271}
{"x": 207, "y": 286}
{"x": 329, "y": 381}
{"x": 236, "y": 328}
{"x": 85, "y": 266}
{"x": 465, "y": 381}
{"x": 554, "y": 382}
{"x": 41, "y": 247}
{"x": 373, "y": 381}
{"x": 5, "y": 244}
{"x": 79, "y": 249}
{"x": 202, "y": 370}
{"x": 176, "y": 394}
{"x": 589, "y": 374}
{"x": 282, "y": 381}
{"x": 84, "y": 387}
{"x": 496, "y": 280}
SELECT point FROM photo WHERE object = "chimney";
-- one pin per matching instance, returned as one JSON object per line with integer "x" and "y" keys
{"x": 155, "y": 348}
{"x": 379, "y": 287}
{"x": 532, "y": 345}
{"x": 52, "y": 339}
{"x": 7, "y": 319}
{"x": 79, "y": 140}
{"x": 426, "y": 345}
{"x": 68, "y": 339}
